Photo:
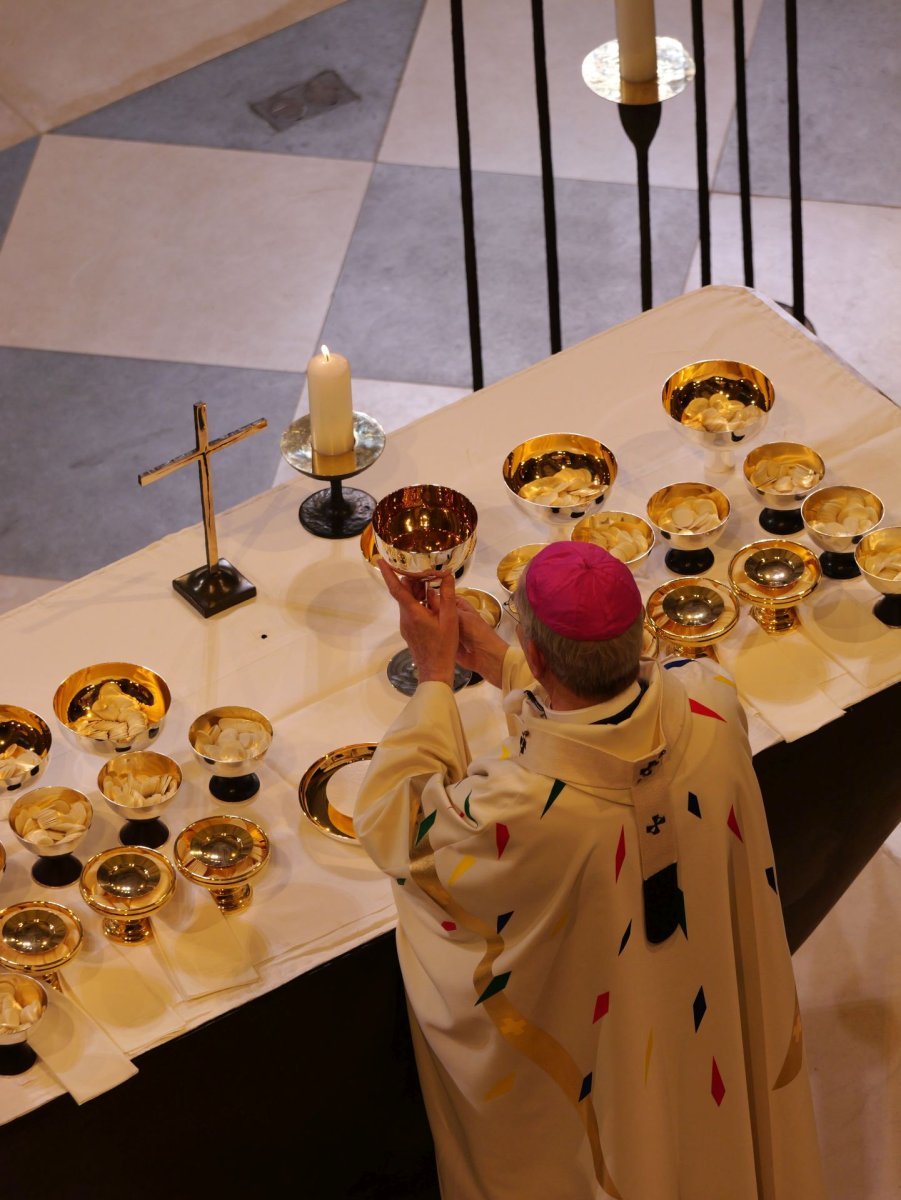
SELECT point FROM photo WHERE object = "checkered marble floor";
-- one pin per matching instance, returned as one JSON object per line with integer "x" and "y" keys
{"x": 162, "y": 244}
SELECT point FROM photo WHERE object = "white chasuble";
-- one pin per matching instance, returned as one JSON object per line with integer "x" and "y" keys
{"x": 593, "y": 949}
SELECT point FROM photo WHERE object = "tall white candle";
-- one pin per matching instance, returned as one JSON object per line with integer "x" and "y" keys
{"x": 637, "y": 36}
{"x": 331, "y": 406}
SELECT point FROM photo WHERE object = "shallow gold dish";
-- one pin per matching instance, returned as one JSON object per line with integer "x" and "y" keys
{"x": 541, "y": 458}
{"x": 22, "y": 730}
{"x": 691, "y": 615}
{"x": 125, "y": 885}
{"x": 222, "y": 854}
{"x": 39, "y": 937}
{"x": 313, "y": 790}
{"x": 774, "y": 576}
{"x": 74, "y": 700}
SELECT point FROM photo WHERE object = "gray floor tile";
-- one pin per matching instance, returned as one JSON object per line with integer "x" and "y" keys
{"x": 400, "y": 312}
{"x": 14, "y": 166}
{"x": 79, "y": 429}
{"x": 850, "y": 95}
{"x": 365, "y": 41}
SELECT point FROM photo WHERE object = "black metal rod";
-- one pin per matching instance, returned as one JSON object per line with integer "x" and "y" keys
{"x": 640, "y": 122}
{"x": 794, "y": 158}
{"x": 466, "y": 201}
{"x": 741, "y": 117}
{"x": 697, "y": 34}
{"x": 547, "y": 175}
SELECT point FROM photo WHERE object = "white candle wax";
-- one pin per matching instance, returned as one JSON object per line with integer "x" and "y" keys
{"x": 331, "y": 406}
{"x": 637, "y": 36}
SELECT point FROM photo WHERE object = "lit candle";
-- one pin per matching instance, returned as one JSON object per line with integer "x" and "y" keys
{"x": 331, "y": 408}
{"x": 637, "y": 36}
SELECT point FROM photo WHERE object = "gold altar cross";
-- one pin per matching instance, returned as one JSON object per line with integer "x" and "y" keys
{"x": 218, "y": 585}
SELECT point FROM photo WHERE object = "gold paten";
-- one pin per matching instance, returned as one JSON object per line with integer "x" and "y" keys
{"x": 774, "y": 576}
{"x": 425, "y": 530}
{"x": 222, "y": 854}
{"x": 38, "y": 937}
{"x": 125, "y": 885}
{"x": 76, "y": 694}
{"x": 543, "y": 456}
{"x": 19, "y": 727}
{"x": 691, "y": 615}
{"x": 740, "y": 382}
{"x": 313, "y": 790}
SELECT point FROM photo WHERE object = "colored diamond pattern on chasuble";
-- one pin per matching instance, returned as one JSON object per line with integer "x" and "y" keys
{"x": 771, "y": 879}
{"x": 450, "y": 926}
{"x": 461, "y": 868}
{"x": 400, "y": 882}
{"x": 503, "y": 919}
{"x": 702, "y": 710}
{"x": 693, "y": 806}
{"x": 501, "y": 837}
{"x": 699, "y": 1008}
{"x": 726, "y": 680}
{"x": 425, "y": 825}
{"x": 620, "y": 853}
{"x": 556, "y": 788}
{"x": 500, "y": 1088}
{"x": 497, "y": 984}
{"x": 585, "y": 1089}
{"x": 625, "y": 938}
{"x": 466, "y": 807}
{"x": 717, "y": 1087}
{"x": 732, "y": 822}
{"x": 601, "y": 1006}
{"x": 676, "y": 662}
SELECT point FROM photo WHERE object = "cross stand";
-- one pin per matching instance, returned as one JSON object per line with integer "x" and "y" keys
{"x": 218, "y": 585}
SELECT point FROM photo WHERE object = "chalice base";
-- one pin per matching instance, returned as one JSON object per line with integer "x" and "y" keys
{"x": 689, "y": 562}
{"x": 232, "y": 899}
{"x": 152, "y": 833}
{"x": 17, "y": 1059}
{"x": 212, "y": 591}
{"x": 775, "y": 620}
{"x": 128, "y": 932}
{"x": 888, "y": 610}
{"x": 781, "y": 523}
{"x": 237, "y": 790}
{"x": 688, "y": 650}
{"x": 839, "y": 566}
{"x": 56, "y": 872}
{"x": 337, "y": 512}
{"x": 402, "y": 674}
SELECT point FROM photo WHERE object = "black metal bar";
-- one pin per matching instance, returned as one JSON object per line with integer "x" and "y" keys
{"x": 547, "y": 175}
{"x": 466, "y": 201}
{"x": 697, "y": 35}
{"x": 741, "y": 117}
{"x": 794, "y": 158}
{"x": 640, "y": 122}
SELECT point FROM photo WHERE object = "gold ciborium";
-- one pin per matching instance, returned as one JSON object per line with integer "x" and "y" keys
{"x": 774, "y": 576}
{"x": 624, "y": 535}
{"x": 38, "y": 937}
{"x": 231, "y": 742}
{"x": 691, "y": 616}
{"x": 23, "y": 1001}
{"x": 719, "y": 405}
{"x": 424, "y": 531}
{"x": 223, "y": 854}
{"x": 781, "y": 475}
{"x": 837, "y": 519}
{"x": 24, "y": 748}
{"x": 690, "y": 517}
{"x": 137, "y": 787}
{"x": 511, "y": 567}
{"x": 559, "y": 477}
{"x": 110, "y": 708}
{"x": 50, "y": 822}
{"x": 125, "y": 886}
{"x": 878, "y": 556}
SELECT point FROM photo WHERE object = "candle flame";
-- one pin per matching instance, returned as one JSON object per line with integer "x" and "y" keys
{"x": 325, "y": 353}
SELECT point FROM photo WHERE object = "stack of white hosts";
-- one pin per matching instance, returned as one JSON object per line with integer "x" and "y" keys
{"x": 624, "y": 539}
{"x": 114, "y": 716}
{"x": 139, "y": 791}
{"x": 843, "y": 515}
{"x": 697, "y": 514}
{"x": 45, "y": 824}
{"x": 782, "y": 477}
{"x": 569, "y": 485}
{"x": 14, "y": 1017}
{"x": 481, "y": 603}
{"x": 16, "y": 764}
{"x": 233, "y": 739}
{"x": 719, "y": 413}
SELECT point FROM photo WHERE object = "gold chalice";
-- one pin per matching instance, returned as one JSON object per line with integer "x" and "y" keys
{"x": 110, "y": 708}
{"x": 837, "y": 519}
{"x": 690, "y": 616}
{"x": 774, "y": 576}
{"x": 24, "y": 748}
{"x": 626, "y": 536}
{"x": 231, "y": 742}
{"x": 690, "y": 517}
{"x": 223, "y": 854}
{"x": 424, "y": 531}
{"x": 23, "y": 1001}
{"x": 49, "y": 823}
{"x": 560, "y": 477}
{"x": 125, "y": 885}
{"x": 878, "y": 556}
{"x": 781, "y": 475}
{"x": 719, "y": 405}
{"x": 511, "y": 567}
{"x": 137, "y": 787}
{"x": 38, "y": 937}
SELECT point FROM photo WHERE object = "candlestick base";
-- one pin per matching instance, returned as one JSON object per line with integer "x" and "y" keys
{"x": 212, "y": 590}
{"x": 675, "y": 70}
{"x": 342, "y": 515}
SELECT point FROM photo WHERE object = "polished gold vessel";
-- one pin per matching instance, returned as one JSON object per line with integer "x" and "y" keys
{"x": 487, "y": 606}
{"x": 313, "y": 790}
{"x": 780, "y": 476}
{"x": 233, "y": 769}
{"x": 29, "y": 1003}
{"x": 689, "y": 550}
{"x": 625, "y": 535}
{"x": 147, "y": 696}
{"x": 368, "y": 548}
{"x": 774, "y": 576}
{"x": 540, "y": 460}
{"x": 732, "y": 385}
{"x": 22, "y": 731}
{"x": 831, "y": 519}
{"x": 49, "y": 823}
{"x": 511, "y": 567}
{"x": 691, "y": 616}
{"x": 223, "y": 854}
{"x": 425, "y": 530}
{"x": 126, "y": 885}
{"x": 129, "y": 775}
{"x": 878, "y": 556}
{"x": 38, "y": 937}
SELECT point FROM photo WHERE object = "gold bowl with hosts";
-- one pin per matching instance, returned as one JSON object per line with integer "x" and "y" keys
{"x": 558, "y": 478}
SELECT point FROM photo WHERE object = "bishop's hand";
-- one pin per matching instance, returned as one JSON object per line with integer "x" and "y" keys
{"x": 431, "y": 629}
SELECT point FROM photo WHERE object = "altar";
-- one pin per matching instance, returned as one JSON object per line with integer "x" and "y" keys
{"x": 279, "y": 1030}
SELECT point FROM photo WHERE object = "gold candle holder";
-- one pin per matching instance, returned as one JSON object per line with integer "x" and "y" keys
{"x": 126, "y": 886}
{"x": 137, "y": 691}
{"x": 38, "y": 937}
{"x": 741, "y": 394}
{"x": 536, "y": 465}
{"x": 25, "y": 742}
{"x": 691, "y": 616}
{"x": 774, "y": 576}
{"x": 223, "y": 854}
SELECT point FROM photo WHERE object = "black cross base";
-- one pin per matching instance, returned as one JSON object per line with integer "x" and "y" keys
{"x": 214, "y": 591}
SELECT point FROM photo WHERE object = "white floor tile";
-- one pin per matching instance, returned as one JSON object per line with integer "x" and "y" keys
{"x": 174, "y": 252}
